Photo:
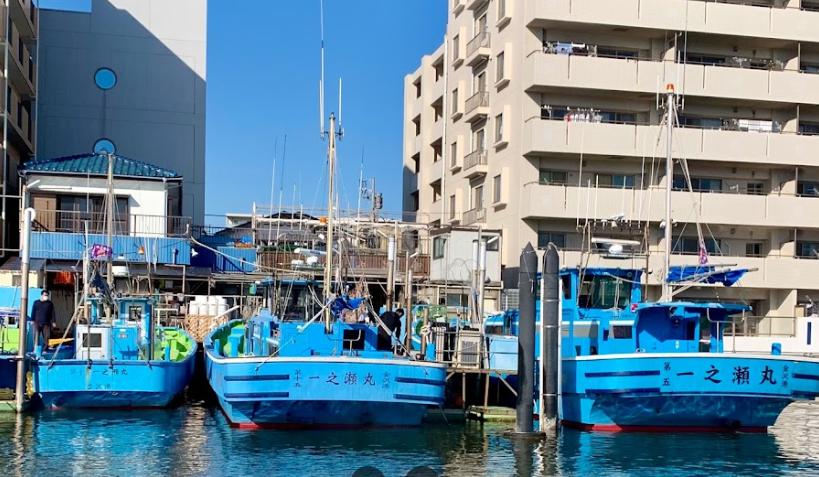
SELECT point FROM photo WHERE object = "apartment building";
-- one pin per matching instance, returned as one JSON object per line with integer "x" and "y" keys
{"x": 19, "y": 22}
{"x": 541, "y": 118}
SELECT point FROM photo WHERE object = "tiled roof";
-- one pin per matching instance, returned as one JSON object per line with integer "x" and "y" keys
{"x": 97, "y": 165}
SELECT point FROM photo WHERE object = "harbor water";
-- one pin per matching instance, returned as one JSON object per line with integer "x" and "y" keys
{"x": 196, "y": 440}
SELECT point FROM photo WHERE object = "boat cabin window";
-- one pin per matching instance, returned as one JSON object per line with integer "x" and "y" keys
{"x": 134, "y": 313}
{"x": 604, "y": 292}
{"x": 92, "y": 340}
{"x": 566, "y": 281}
{"x": 621, "y": 332}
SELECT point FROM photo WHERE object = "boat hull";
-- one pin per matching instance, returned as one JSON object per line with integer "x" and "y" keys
{"x": 695, "y": 391}
{"x": 324, "y": 391}
{"x": 101, "y": 384}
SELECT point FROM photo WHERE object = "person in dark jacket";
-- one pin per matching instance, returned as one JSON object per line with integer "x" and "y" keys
{"x": 392, "y": 320}
{"x": 42, "y": 314}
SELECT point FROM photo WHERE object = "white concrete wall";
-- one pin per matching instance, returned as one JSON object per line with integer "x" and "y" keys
{"x": 156, "y": 112}
{"x": 458, "y": 263}
{"x": 147, "y": 200}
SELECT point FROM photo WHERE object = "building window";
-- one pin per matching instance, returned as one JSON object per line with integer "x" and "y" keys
{"x": 549, "y": 177}
{"x": 452, "y": 206}
{"x": 479, "y": 140}
{"x": 453, "y": 154}
{"x": 439, "y": 70}
{"x": 438, "y": 247}
{"x": 477, "y": 197}
{"x": 807, "y": 249}
{"x": 501, "y": 9}
{"x": 104, "y": 146}
{"x": 499, "y": 68}
{"x": 807, "y": 189}
{"x": 416, "y": 202}
{"x": 698, "y": 184}
{"x": 617, "y": 181}
{"x": 418, "y": 88}
{"x": 753, "y": 249}
{"x": 456, "y": 53}
{"x": 417, "y": 123}
{"x": 479, "y": 83}
{"x": 499, "y": 128}
{"x": 436, "y": 191}
{"x": 691, "y": 245}
{"x": 755, "y": 188}
{"x": 105, "y": 78}
{"x": 557, "y": 238}
{"x": 496, "y": 189}
{"x": 455, "y": 106}
{"x": 809, "y": 129}
{"x": 416, "y": 162}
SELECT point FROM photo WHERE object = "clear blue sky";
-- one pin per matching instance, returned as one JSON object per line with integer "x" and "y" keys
{"x": 263, "y": 71}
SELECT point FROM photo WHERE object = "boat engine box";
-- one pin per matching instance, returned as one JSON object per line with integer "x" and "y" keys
{"x": 93, "y": 342}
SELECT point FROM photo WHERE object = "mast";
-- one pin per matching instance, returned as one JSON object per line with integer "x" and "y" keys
{"x": 669, "y": 178}
{"x": 328, "y": 264}
{"x": 109, "y": 228}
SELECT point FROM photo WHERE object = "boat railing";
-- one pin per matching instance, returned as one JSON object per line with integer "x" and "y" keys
{"x": 762, "y": 326}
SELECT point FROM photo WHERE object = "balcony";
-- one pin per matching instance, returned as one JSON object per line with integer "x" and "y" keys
{"x": 543, "y": 136}
{"x": 546, "y": 70}
{"x": 475, "y": 164}
{"x": 709, "y": 17}
{"x": 477, "y": 50}
{"x": 24, "y": 15}
{"x": 568, "y": 202}
{"x": 21, "y": 68}
{"x": 474, "y": 216}
{"x": 59, "y": 235}
{"x": 477, "y": 107}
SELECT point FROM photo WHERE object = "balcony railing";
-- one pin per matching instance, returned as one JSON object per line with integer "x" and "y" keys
{"x": 474, "y": 216}
{"x": 475, "y": 158}
{"x": 372, "y": 263}
{"x": 69, "y": 221}
{"x": 477, "y": 100}
{"x": 480, "y": 40}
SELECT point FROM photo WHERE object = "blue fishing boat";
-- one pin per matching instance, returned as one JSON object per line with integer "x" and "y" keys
{"x": 272, "y": 372}
{"x": 125, "y": 360}
{"x": 628, "y": 365}
{"x": 269, "y": 373}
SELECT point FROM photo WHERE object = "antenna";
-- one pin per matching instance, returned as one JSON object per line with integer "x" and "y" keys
{"x": 340, "y": 130}
{"x": 321, "y": 79}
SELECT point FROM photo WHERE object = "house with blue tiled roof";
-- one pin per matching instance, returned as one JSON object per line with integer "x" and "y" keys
{"x": 69, "y": 196}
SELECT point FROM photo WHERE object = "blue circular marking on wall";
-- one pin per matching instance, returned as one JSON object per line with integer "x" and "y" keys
{"x": 105, "y": 78}
{"x": 104, "y": 146}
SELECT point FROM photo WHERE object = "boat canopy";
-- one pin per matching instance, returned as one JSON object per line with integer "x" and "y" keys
{"x": 706, "y": 274}
{"x": 715, "y": 311}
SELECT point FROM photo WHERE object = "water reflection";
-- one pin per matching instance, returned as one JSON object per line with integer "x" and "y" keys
{"x": 196, "y": 440}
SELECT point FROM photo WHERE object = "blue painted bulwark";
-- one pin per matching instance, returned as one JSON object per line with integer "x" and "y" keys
{"x": 70, "y": 246}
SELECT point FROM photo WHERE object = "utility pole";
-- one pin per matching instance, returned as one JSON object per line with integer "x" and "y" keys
{"x": 22, "y": 320}
{"x": 408, "y": 302}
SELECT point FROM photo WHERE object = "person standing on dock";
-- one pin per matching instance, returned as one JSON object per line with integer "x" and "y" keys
{"x": 42, "y": 314}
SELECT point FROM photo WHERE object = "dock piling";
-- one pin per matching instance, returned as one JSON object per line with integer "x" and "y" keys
{"x": 526, "y": 340}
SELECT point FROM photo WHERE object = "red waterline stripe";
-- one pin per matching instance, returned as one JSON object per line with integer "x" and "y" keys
{"x": 663, "y": 429}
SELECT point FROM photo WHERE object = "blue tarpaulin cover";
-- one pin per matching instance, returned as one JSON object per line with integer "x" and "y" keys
{"x": 705, "y": 274}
